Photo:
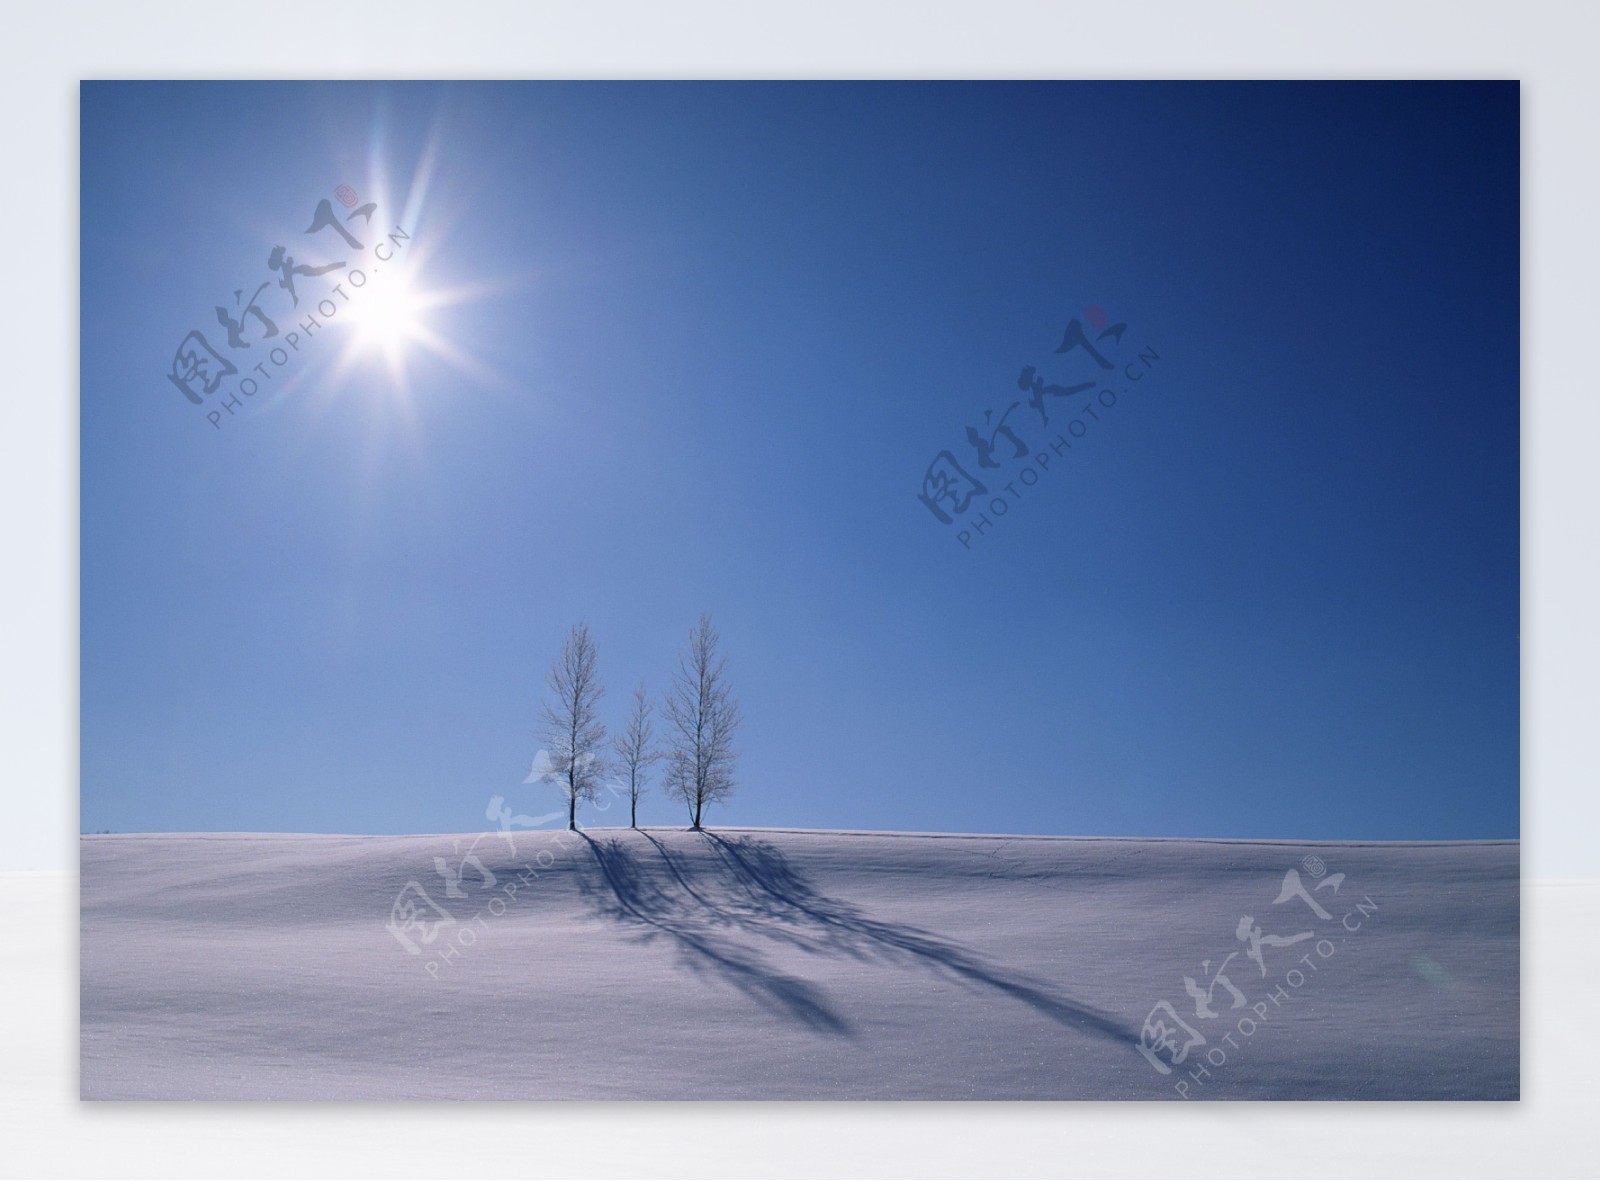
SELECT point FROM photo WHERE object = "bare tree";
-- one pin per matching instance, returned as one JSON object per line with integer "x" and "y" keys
{"x": 636, "y": 750}
{"x": 573, "y": 730}
{"x": 702, "y": 716}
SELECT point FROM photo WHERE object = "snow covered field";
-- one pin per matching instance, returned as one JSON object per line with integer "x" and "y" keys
{"x": 777, "y": 964}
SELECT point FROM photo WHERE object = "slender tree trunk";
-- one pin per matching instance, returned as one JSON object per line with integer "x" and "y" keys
{"x": 572, "y": 780}
{"x": 575, "y": 735}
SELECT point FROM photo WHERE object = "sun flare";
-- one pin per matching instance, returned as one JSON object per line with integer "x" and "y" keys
{"x": 397, "y": 310}
{"x": 386, "y": 316}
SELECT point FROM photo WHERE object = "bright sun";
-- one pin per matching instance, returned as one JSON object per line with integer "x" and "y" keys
{"x": 391, "y": 322}
{"x": 396, "y": 320}
{"x": 386, "y": 316}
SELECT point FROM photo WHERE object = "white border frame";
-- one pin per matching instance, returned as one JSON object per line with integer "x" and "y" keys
{"x": 46, "y": 1132}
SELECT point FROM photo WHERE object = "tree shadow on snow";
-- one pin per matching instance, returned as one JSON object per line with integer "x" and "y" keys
{"x": 634, "y": 893}
{"x": 709, "y": 908}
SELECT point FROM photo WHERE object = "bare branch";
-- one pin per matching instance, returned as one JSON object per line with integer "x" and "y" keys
{"x": 574, "y": 733}
{"x": 702, "y": 716}
{"x": 636, "y": 750}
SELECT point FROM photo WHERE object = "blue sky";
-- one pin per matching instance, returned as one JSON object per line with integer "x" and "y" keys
{"x": 694, "y": 348}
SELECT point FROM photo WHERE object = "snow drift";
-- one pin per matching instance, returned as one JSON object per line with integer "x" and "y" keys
{"x": 778, "y": 964}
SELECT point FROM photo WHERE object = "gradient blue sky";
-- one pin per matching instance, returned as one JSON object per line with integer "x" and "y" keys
{"x": 705, "y": 339}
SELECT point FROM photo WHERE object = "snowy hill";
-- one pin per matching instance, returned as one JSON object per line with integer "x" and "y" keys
{"x": 774, "y": 964}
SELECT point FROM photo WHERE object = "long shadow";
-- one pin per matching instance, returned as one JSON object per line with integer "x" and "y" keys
{"x": 636, "y": 897}
{"x": 751, "y": 888}
{"x": 683, "y": 879}
{"x": 765, "y": 869}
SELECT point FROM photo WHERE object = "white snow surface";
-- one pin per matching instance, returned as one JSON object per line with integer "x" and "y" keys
{"x": 792, "y": 964}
